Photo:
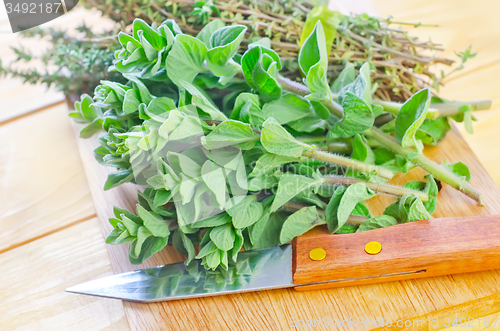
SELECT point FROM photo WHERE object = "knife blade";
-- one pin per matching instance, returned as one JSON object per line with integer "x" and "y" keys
{"x": 428, "y": 248}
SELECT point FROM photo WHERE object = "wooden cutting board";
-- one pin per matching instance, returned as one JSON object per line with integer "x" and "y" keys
{"x": 284, "y": 309}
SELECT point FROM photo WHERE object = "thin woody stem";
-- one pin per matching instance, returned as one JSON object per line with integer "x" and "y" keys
{"x": 428, "y": 165}
{"x": 377, "y": 187}
{"x": 348, "y": 163}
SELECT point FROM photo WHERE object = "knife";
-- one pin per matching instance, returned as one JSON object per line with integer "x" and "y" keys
{"x": 420, "y": 249}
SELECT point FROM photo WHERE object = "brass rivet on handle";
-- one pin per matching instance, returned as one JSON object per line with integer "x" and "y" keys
{"x": 317, "y": 254}
{"x": 373, "y": 247}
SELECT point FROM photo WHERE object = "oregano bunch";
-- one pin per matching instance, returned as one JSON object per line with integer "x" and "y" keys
{"x": 230, "y": 154}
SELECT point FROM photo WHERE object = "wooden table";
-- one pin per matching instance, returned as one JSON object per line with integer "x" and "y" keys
{"x": 50, "y": 238}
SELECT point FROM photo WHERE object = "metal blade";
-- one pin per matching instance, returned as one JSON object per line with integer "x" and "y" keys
{"x": 256, "y": 270}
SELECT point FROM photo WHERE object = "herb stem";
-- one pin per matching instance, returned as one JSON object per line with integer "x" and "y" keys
{"x": 348, "y": 163}
{"x": 428, "y": 165}
{"x": 394, "y": 107}
{"x": 453, "y": 108}
{"x": 377, "y": 187}
{"x": 302, "y": 90}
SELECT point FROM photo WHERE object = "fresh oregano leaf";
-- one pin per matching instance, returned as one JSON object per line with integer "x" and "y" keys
{"x": 208, "y": 30}
{"x": 224, "y": 44}
{"x": 346, "y": 77}
{"x": 246, "y": 212}
{"x": 358, "y": 117}
{"x": 410, "y": 117}
{"x": 313, "y": 62}
{"x": 185, "y": 59}
{"x": 299, "y": 223}
{"x": 287, "y": 109}
{"x": 289, "y": 186}
{"x": 276, "y": 140}
{"x": 230, "y": 133}
{"x": 214, "y": 177}
{"x": 155, "y": 224}
{"x": 377, "y": 222}
{"x": 223, "y": 237}
{"x": 360, "y": 87}
{"x": 458, "y": 168}
{"x": 343, "y": 203}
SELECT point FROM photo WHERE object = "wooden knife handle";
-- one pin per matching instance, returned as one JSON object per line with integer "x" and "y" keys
{"x": 435, "y": 247}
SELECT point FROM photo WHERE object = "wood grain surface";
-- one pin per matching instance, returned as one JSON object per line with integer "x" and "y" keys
{"x": 35, "y": 275}
{"x": 29, "y": 297}
{"x": 236, "y": 311}
{"x": 435, "y": 247}
{"x": 43, "y": 186}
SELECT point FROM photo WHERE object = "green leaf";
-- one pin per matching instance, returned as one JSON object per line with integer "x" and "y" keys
{"x": 410, "y": 117}
{"x": 155, "y": 224}
{"x": 201, "y": 101}
{"x": 308, "y": 124}
{"x": 223, "y": 237}
{"x": 408, "y": 208}
{"x": 214, "y": 177}
{"x": 346, "y": 77}
{"x": 320, "y": 110}
{"x": 159, "y": 108}
{"x": 432, "y": 191}
{"x": 260, "y": 67}
{"x": 150, "y": 246}
{"x": 162, "y": 197}
{"x": 183, "y": 245}
{"x": 183, "y": 163}
{"x": 417, "y": 211}
{"x": 313, "y": 62}
{"x": 347, "y": 228}
{"x": 433, "y": 131}
{"x": 246, "y": 212}
{"x": 465, "y": 116}
{"x": 117, "y": 178}
{"x": 263, "y": 181}
{"x": 358, "y": 117}
{"x": 119, "y": 236}
{"x": 377, "y": 222}
{"x": 291, "y": 185}
{"x": 230, "y": 133}
{"x": 276, "y": 140}
{"x": 224, "y": 44}
{"x": 91, "y": 129}
{"x": 152, "y": 36}
{"x": 330, "y": 20}
{"x": 241, "y": 100}
{"x": 131, "y": 226}
{"x": 187, "y": 189}
{"x": 172, "y": 122}
{"x": 185, "y": 59}
{"x": 208, "y": 30}
{"x": 361, "y": 151}
{"x": 268, "y": 162}
{"x": 238, "y": 244}
{"x": 131, "y": 102}
{"x": 207, "y": 249}
{"x": 288, "y": 108}
{"x": 144, "y": 94}
{"x": 256, "y": 231}
{"x": 361, "y": 86}
{"x": 459, "y": 168}
{"x": 213, "y": 221}
{"x": 299, "y": 223}
{"x": 343, "y": 202}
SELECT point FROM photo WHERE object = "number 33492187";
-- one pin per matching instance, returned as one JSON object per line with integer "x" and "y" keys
{"x": 33, "y": 8}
